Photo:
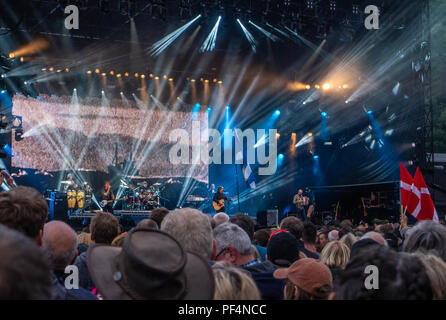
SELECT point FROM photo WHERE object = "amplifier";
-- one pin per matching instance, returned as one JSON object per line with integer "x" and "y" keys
{"x": 268, "y": 218}
{"x": 58, "y": 206}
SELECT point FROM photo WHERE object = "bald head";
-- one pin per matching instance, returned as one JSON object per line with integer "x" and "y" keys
{"x": 220, "y": 218}
{"x": 59, "y": 243}
{"x": 375, "y": 236}
{"x": 333, "y": 235}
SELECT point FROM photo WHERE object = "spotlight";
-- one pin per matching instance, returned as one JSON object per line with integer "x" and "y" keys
{"x": 3, "y": 76}
{"x": 143, "y": 76}
{"x": 317, "y": 86}
{"x": 25, "y": 82}
{"x": 227, "y": 107}
{"x": 220, "y": 82}
{"x": 126, "y": 74}
{"x": 324, "y": 114}
{"x": 310, "y": 134}
{"x": 192, "y": 80}
{"x": 112, "y": 72}
{"x": 118, "y": 75}
{"x": 136, "y": 75}
{"x": 88, "y": 71}
{"x": 97, "y": 71}
{"x": 315, "y": 157}
{"x": 43, "y": 69}
{"x": 281, "y": 156}
{"x": 326, "y": 86}
{"x": 12, "y": 55}
{"x": 51, "y": 69}
{"x": 170, "y": 79}
{"x": 308, "y": 87}
{"x": 103, "y": 74}
{"x": 67, "y": 70}
{"x": 121, "y": 93}
{"x": 157, "y": 78}
{"x": 209, "y": 109}
{"x": 277, "y": 112}
{"x": 74, "y": 89}
{"x": 102, "y": 92}
{"x": 369, "y": 112}
{"x": 59, "y": 71}
{"x": 277, "y": 135}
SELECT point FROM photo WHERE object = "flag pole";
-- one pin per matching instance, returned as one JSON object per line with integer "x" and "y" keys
{"x": 238, "y": 192}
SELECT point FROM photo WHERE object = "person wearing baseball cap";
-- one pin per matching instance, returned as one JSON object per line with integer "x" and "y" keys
{"x": 306, "y": 279}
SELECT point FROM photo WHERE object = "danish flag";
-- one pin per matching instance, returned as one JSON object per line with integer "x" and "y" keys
{"x": 406, "y": 181}
{"x": 419, "y": 202}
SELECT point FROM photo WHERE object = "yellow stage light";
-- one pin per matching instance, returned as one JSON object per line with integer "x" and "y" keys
{"x": 317, "y": 86}
{"x": 308, "y": 87}
{"x": 143, "y": 76}
{"x": 97, "y": 70}
{"x": 126, "y": 74}
{"x": 326, "y": 86}
{"x": 12, "y": 55}
{"x": 88, "y": 72}
{"x": 136, "y": 75}
{"x": 112, "y": 72}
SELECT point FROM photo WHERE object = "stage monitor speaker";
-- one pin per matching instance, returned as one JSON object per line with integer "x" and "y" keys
{"x": 268, "y": 218}
{"x": 58, "y": 206}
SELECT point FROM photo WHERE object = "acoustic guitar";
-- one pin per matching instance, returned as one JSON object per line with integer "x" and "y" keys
{"x": 221, "y": 203}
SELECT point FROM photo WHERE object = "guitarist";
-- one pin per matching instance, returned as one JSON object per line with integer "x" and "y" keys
{"x": 219, "y": 195}
{"x": 108, "y": 195}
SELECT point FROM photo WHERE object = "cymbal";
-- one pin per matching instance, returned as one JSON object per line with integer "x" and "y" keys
{"x": 156, "y": 184}
{"x": 67, "y": 181}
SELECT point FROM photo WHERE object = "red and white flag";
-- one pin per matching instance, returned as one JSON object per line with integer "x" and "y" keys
{"x": 420, "y": 203}
{"x": 406, "y": 181}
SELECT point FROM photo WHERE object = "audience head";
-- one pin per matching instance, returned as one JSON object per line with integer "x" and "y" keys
{"x": 321, "y": 239}
{"x": 293, "y": 225}
{"x": 426, "y": 235}
{"x": 158, "y": 214}
{"x": 375, "y": 236}
{"x": 147, "y": 223}
{"x": 342, "y": 232}
{"x": 59, "y": 243}
{"x": 346, "y": 223}
{"x": 282, "y": 249}
{"x": 233, "y": 283}
{"x": 24, "y": 272}
{"x": 104, "y": 228}
{"x": 349, "y": 240}
{"x": 233, "y": 244}
{"x": 400, "y": 276}
{"x": 220, "y": 218}
{"x": 306, "y": 279}
{"x": 333, "y": 235}
{"x": 335, "y": 255}
{"x": 261, "y": 237}
{"x": 192, "y": 229}
{"x": 25, "y": 210}
{"x": 436, "y": 271}
{"x": 244, "y": 222}
{"x": 119, "y": 240}
{"x": 309, "y": 233}
{"x": 151, "y": 264}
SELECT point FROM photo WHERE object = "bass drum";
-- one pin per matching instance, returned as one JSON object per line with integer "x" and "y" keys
{"x": 71, "y": 198}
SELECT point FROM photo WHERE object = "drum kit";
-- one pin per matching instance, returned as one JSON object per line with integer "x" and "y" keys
{"x": 78, "y": 197}
{"x": 142, "y": 196}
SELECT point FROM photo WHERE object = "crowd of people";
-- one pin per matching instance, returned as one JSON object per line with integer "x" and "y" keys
{"x": 185, "y": 254}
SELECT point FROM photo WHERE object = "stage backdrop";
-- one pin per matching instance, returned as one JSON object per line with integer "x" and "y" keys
{"x": 64, "y": 133}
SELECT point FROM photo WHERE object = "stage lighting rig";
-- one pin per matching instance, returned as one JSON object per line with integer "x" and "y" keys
{"x": 158, "y": 9}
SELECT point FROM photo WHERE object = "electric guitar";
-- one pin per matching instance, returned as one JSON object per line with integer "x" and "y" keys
{"x": 221, "y": 203}
{"x": 103, "y": 203}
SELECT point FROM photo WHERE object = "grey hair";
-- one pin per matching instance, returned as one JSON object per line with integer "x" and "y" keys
{"x": 426, "y": 235}
{"x": 229, "y": 234}
{"x": 192, "y": 229}
{"x": 220, "y": 218}
{"x": 375, "y": 236}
